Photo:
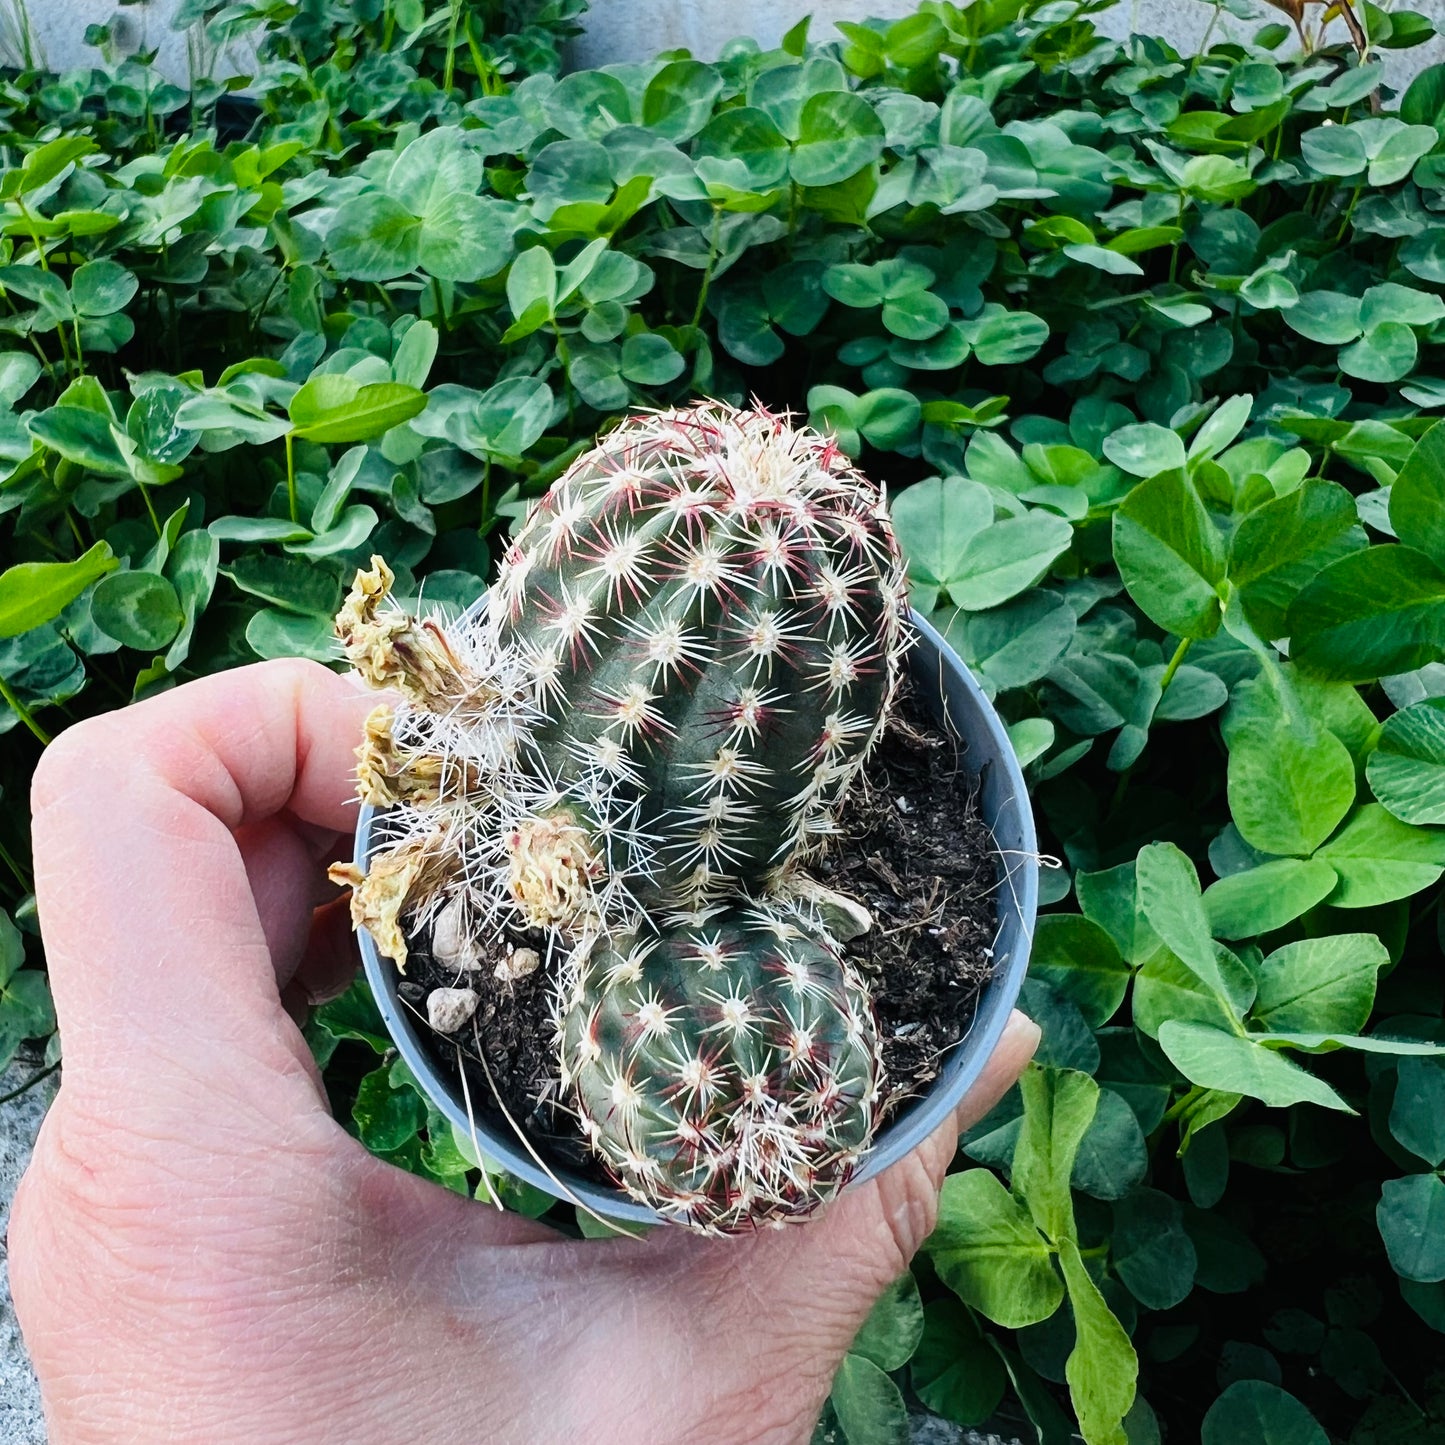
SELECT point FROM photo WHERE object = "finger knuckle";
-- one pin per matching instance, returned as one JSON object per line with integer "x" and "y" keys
{"x": 293, "y": 673}
{"x": 74, "y": 759}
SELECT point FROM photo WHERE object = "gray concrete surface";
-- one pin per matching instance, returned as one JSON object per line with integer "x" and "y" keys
{"x": 57, "y": 31}
{"x": 619, "y": 29}
{"x": 21, "y": 1422}
{"x": 623, "y": 29}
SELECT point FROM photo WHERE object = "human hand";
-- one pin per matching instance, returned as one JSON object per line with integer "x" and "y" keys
{"x": 199, "y": 1252}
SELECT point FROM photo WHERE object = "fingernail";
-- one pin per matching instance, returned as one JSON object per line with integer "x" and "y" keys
{"x": 1027, "y": 1030}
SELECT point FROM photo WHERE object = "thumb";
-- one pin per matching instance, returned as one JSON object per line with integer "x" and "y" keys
{"x": 764, "y": 1321}
{"x": 889, "y": 1217}
{"x": 790, "y": 1301}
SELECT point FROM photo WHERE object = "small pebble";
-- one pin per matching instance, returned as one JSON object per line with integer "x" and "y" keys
{"x": 904, "y": 806}
{"x": 447, "y": 1009}
{"x": 518, "y": 964}
{"x": 451, "y": 945}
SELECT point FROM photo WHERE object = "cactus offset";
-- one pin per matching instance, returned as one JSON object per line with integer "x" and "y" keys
{"x": 712, "y": 604}
{"x": 725, "y": 1070}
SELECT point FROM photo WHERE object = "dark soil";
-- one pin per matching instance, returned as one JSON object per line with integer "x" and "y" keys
{"x": 513, "y": 1032}
{"x": 914, "y": 851}
{"x": 917, "y": 855}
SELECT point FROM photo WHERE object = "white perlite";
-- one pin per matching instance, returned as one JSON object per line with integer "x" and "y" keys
{"x": 452, "y": 943}
{"x": 518, "y": 964}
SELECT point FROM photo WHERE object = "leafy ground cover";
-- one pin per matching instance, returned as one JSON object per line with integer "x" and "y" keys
{"x": 1148, "y": 349}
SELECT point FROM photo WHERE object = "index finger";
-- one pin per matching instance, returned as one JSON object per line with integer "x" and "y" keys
{"x": 152, "y": 933}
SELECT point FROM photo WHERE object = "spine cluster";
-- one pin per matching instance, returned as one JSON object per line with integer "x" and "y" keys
{"x": 635, "y": 743}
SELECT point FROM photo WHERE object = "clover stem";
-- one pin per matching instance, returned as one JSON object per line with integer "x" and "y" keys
{"x": 1108, "y": 302}
{"x": 150, "y": 507}
{"x": 479, "y": 61}
{"x": 712, "y": 250}
{"x": 1349, "y": 213}
{"x": 1209, "y": 31}
{"x": 34, "y": 230}
{"x": 30, "y": 1083}
{"x": 1181, "y": 1104}
{"x": 1174, "y": 662}
{"x": 23, "y": 712}
{"x": 1203, "y": 47}
{"x": 565, "y": 358}
{"x": 26, "y": 882}
{"x": 259, "y": 314}
{"x": 451, "y": 66}
{"x": 291, "y": 474}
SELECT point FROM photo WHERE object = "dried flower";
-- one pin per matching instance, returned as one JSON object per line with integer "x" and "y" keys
{"x": 386, "y": 775}
{"x": 391, "y": 649}
{"x": 552, "y": 868}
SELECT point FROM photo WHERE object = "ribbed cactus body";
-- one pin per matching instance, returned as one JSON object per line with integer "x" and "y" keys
{"x": 725, "y": 1071}
{"x": 631, "y": 745}
{"x": 712, "y": 605}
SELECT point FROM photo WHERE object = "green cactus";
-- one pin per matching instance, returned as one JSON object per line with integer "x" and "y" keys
{"x": 712, "y": 605}
{"x": 725, "y": 1071}
{"x": 691, "y": 646}
{"x": 635, "y": 742}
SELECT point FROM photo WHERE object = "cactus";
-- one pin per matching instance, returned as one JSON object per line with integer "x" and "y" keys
{"x": 691, "y": 646}
{"x": 635, "y": 743}
{"x": 712, "y": 605}
{"x": 726, "y": 1071}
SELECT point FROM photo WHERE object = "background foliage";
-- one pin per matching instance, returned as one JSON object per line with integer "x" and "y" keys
{"x": 1148, "y": 349}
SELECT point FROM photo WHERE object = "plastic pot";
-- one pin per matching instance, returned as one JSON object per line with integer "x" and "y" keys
{"x": 958, "y": 703}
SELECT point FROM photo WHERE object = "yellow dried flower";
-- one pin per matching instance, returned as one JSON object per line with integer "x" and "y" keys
{"x": 552, "y": 866}
{"x": 379, "y": 895}
{"x": 385, "y": 776}
{"x": 388, "y": 648}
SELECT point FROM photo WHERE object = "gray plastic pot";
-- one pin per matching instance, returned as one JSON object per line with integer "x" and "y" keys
{"x": 955, "y": 700}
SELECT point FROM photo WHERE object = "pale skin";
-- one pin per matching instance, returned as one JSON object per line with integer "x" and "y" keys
{"x": 199, "y": 1253}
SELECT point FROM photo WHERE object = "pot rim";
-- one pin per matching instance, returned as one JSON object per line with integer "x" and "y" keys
{"x": 1018, "y": 903}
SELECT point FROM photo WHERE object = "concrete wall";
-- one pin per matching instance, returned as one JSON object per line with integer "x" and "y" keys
{"x": 630, "y": 29}
{"x": 60, "y": 25}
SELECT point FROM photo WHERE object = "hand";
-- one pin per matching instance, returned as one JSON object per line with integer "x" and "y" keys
{"x": 199, "y": 1253}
